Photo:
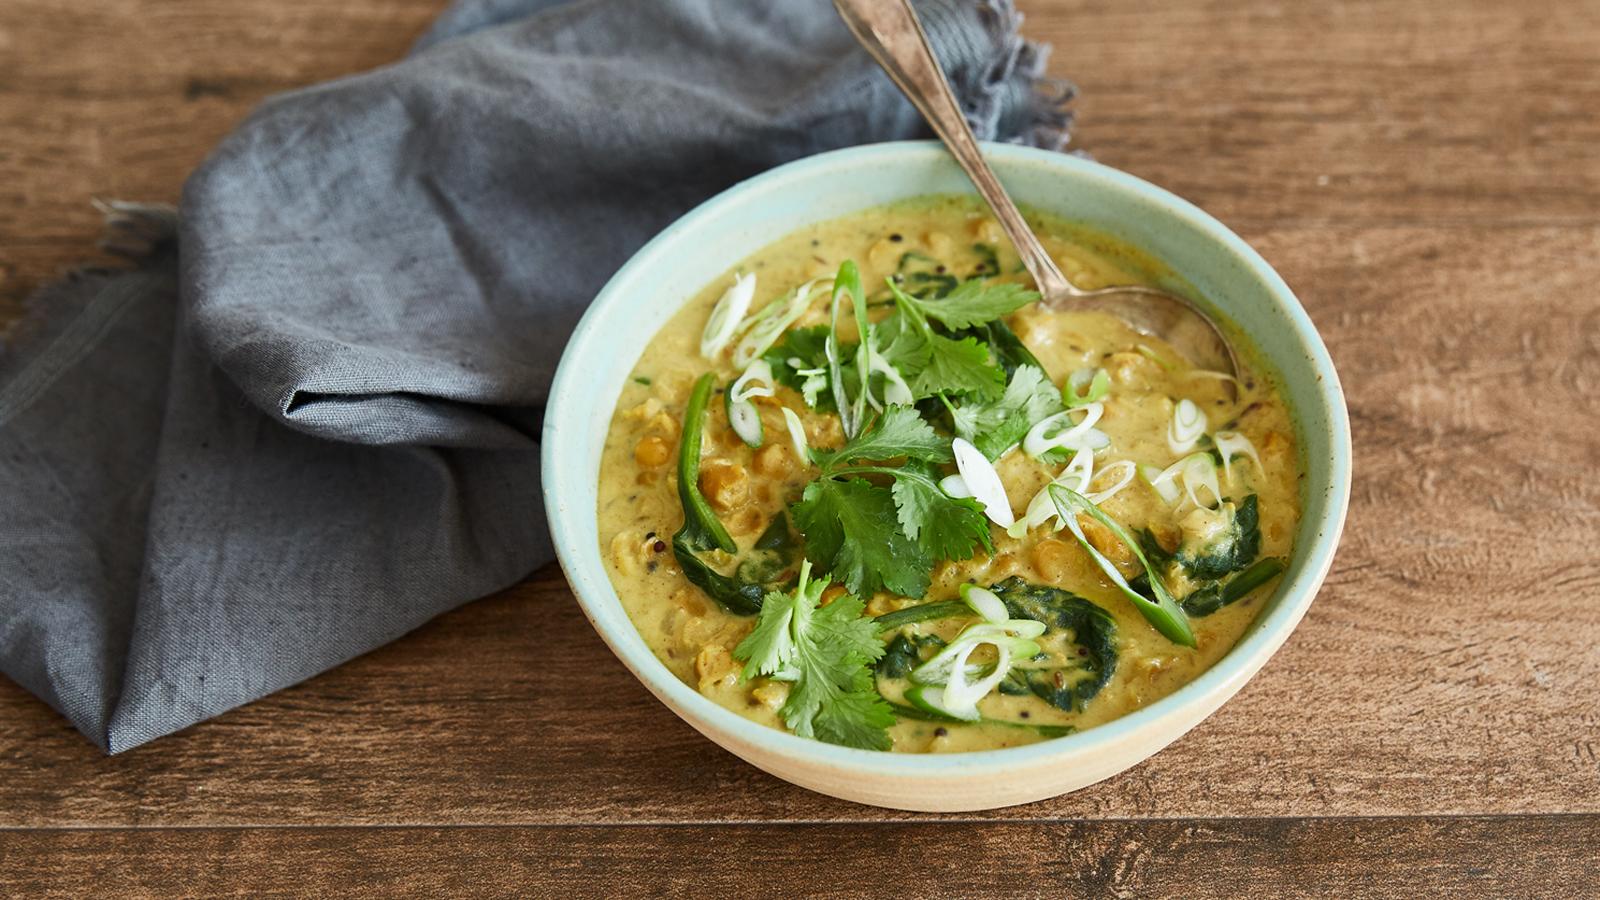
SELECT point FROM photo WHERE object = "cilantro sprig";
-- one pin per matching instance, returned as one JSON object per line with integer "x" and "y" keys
{"x": 872, "y": 536}
{"x": 826, "y": 654}
{"x": 998, "y": 425}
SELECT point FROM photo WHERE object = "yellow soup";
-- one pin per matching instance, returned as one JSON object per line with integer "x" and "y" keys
{"x": 1151, "y": 443}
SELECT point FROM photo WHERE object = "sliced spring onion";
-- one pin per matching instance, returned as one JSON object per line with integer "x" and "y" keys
{"x": 1199, "y": 471}
{"x": 1165, "y": 481}
{"x": 1231, "y": 444}
{"x": 1085, "y": 386}
{"x": 983, "y": 481}
{"x": 742, "y": 414}
{"x": 942, "y": 681}
{"x": 745, "y": 420}
{"x": 1187, "y": 425}
{"x": 1041, "y": 509}
{"x": 764, "y": 328}
{"x": 727, "y": 314}
{"x": 1017, "y": 634}
{"x": 1125, "y": 469}
{"x": 755, "y": 382}
{"x": 1057, "y": 432}
{"x": 895, "y": 389}
{"x": 960, "y": 696}
{"x": 1164, "y": 613}
{"x": 815, "y": 381}
{"x": 1149, "y": 353}
{"x": 797, "y": 436}
{"x": 985, "y": 603}
{"x": 955, "y": 486}
{"x": 1196, "y": 471}
{"x": 930, "y": 699}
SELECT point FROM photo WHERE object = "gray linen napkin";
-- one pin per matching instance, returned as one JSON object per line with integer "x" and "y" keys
{"x": 307, "y": 420}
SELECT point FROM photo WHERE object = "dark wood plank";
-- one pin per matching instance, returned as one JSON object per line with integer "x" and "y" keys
{"x": 1195, "y": 860}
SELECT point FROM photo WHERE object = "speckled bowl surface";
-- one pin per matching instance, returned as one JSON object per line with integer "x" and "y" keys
{"x": 1235, "y": 281}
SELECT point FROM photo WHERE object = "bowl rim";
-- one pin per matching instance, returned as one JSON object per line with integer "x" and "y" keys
{"x": 1206, "y": 692}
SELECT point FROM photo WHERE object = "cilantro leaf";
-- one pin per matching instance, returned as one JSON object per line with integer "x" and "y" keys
{"x": 975, "y": 302}
{"x": 770, "y": 648}
{"x": 958, "y": 367}
{"x": 1007, "y": 348}
{"x": 997, "y": 426}
{"x": 826, "y": 652}
{"x": 857, "y": 717}
{"x": 852, "y": 527}
{"x": 945, "y": 527}
{"x": 934, "y": 363}
{"x": 900, "y": 431}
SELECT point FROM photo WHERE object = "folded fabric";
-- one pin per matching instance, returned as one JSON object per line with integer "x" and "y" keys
{"x": 307, "y": 420}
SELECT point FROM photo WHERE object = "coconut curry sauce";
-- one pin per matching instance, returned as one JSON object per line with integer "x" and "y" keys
{"x": 1162, "y": 461}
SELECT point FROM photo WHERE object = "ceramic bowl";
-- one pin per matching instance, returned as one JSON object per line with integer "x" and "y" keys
{"x": 704, "y": 244}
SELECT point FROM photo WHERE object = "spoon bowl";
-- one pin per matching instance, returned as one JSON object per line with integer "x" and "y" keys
{"x": 891, "y": 33}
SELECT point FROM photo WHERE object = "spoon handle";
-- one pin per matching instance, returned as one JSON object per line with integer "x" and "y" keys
{"x": 889, "y": 30}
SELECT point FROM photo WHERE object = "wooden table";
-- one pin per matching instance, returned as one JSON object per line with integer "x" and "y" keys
{"x": 1426, "y": 176}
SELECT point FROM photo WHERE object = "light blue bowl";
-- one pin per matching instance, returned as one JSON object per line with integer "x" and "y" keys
{"x": 704, "y": 244}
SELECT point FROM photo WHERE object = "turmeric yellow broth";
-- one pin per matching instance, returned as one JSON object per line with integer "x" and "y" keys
{"x": 1196, "y": 473}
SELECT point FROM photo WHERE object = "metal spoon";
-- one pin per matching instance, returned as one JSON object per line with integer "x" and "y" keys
{"x": 889, "y": 30}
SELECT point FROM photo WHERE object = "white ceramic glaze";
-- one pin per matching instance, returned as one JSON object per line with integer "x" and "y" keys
{"x": 1237, "y": 284}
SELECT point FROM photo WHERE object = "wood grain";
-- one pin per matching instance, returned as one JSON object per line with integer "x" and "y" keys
{"x": 1313, "y": 857}
{"x": 1426, "y": 176}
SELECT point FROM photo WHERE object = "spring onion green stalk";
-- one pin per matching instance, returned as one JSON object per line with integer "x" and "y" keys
{"x": 1187, "y": 425}
{"x": 727, "y": 315}
{"x": 743, "y": 416}
{"x": 1085, "y": 386}
{"x": 1163, "y": 613}
{"x": 1058, "y": 432}
{"x": 983, "y": 481}
{"x": 1231, "y": 444}
{"x": 922, "y": 612}
{"x": 846, "y": 283}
